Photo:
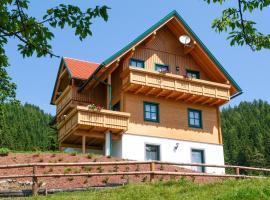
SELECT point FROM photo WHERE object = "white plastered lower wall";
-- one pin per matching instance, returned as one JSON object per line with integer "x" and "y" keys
{"x": 133, "y": 147}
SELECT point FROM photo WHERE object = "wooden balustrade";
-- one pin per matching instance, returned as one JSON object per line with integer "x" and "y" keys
{"x": 81, "y": 116}
{"x": 174, "y": 86}
{"x": 68, "y": 95}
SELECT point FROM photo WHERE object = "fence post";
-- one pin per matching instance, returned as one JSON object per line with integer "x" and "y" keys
{"x": 237, "y": 171}
{"x": 35, "y": 182}
{"x": 152, "y": 169}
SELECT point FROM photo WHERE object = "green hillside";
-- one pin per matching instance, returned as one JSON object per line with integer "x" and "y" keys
{"x": 226, "y": 190}
{"x": 26, "y": 128}
{"x": 246, "y": 134}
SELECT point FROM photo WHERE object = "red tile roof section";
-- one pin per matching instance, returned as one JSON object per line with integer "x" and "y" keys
{"x": 80, "y": 69}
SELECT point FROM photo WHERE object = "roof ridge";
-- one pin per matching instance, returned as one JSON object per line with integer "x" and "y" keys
{"x": 82, "y": 60}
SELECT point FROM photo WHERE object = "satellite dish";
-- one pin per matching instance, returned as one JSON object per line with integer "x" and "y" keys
{"x": 184, "y": 39}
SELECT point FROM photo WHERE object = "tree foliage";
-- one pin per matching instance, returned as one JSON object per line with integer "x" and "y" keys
{"x": 26, "y": 128}
{"x": 246, "y": 133}
{"x": 242, "y": 31}
{"x": 34, "y": 35}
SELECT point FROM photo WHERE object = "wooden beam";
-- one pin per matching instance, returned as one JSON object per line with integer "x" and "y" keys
{"x": 215, "y": 102}
{"x": 159, "y": 94}
{"x": 150, "y": 38}
{"x": 83, "y": 143}
{"x": 108, "y": 99}
{"x": 94, "y": 134}
{"x": 190, "y": 98}
{"x": 199, "y": 99}
{"x": 104, "y": 75}
{"x": 171, "y": 94}
{"x": 150, "y": 91}
{"x": 79, "y": 146}
{"x": 62, "y": 74}
{"x": 181, "y": 96}
{"x": 207, "y": 101}
{"x": 187, "y": 49}
{"x": 139, "y": 89}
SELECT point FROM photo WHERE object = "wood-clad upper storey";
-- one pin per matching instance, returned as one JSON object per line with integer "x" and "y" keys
{"x": 116, "y": 84}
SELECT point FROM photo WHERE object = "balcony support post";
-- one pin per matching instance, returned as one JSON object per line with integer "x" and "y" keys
{"x": 83, "y": 143}
{"x": 108, "y": 143}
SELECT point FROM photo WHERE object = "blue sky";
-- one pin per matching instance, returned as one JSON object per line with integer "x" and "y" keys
{"x": 35, "y": 77}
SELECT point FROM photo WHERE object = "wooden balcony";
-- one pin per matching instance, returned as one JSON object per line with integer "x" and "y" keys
{"x": 179, "y": 88}
{"x": 70, "y": 96}
{"x": 93, "y": 124}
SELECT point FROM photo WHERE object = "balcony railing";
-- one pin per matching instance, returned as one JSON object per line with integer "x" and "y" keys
{"x": 174, "y": 86}
{"x": 68, "y": 95}
{"x": 82, "y": 118}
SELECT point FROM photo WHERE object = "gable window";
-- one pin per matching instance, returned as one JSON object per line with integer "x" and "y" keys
{"x": 197, "y": 156}
{"x": 151, "y": 112}
{"x": 116, "y": 107}
{"x": 192, "y": 74}
{"x": 194, "y": 118}
{"x": 136, "y": 63}
{"x": 152, "y": 152}
{"x": 162, "y": 68}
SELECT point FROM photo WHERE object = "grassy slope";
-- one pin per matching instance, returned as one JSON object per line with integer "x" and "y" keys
{"x": 230, "y": 189}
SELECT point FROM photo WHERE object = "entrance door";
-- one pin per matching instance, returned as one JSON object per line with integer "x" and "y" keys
{"x": 197, "y": 156}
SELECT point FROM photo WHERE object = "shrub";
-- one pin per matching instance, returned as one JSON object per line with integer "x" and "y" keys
{"x": 60, "y": 159}
{"x": 87, "y": 169}
{"x": 4, "y": 151}
{"x": 36, "y": 155}
{"x": 70, "y": 178}
{"x": 73, "y": 153}
{"x": 67, "y": 170}
{"x": 127, "y": 169}
{"x": 137, "y": 168}
{"x": 144, "y": 179}
{"x": 50, "y": 169}
{"x": 90, "y": 156}
{"x": 53, "y": 155}
{"x": 40, "y": 160}
{"x": 105, "y": 180}
{"x": 115, "y": 168}
{"x": 76, "y": 171}
{"x": 161, "y": 167}
{"x": 100, "y": 169}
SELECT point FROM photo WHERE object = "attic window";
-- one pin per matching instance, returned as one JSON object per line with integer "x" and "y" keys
{"x": 192, "y": 74}
{"x": 136, "y": 63}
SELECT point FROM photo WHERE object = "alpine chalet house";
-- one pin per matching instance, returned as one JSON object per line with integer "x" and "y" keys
{"x": 158, "y": 98}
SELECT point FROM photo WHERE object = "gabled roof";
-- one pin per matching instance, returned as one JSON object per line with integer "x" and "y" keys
{"x": 77, "y": 69}
{"x": 151, "y": 30}
{"x": 80, "y": 69}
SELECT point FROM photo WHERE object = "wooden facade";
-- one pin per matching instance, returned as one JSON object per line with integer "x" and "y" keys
{"x": 118, "y": 85}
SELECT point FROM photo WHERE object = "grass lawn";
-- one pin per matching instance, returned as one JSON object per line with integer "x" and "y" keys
{"x": 230, "y": 189}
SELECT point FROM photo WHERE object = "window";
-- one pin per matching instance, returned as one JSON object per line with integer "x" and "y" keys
{"x": 194, "y": 118}
{"x": 136, "y": 63}
{"x": 116, "y": 107}
{"x": 161, "y": 68}
{"x": 197, "y": 156}
{"x": 152, "y": 152}
{"x": 192, "y": 74}
{"x": 151, "y": 112}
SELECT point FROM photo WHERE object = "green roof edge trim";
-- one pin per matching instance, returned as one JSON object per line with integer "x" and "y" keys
{"x": 148, "y": 31}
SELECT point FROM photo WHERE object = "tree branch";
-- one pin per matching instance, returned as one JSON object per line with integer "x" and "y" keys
{"x": 243, "y": 26}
